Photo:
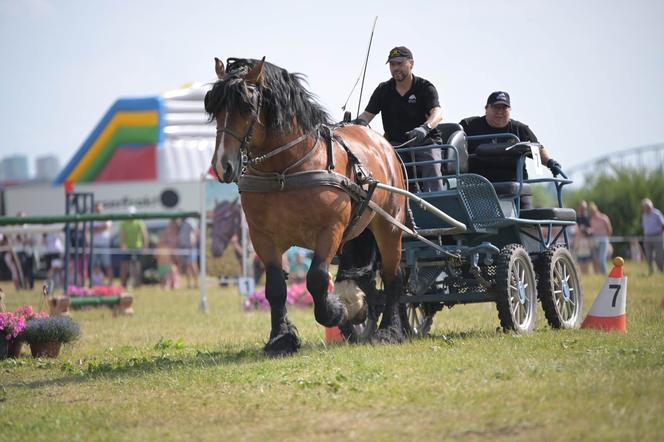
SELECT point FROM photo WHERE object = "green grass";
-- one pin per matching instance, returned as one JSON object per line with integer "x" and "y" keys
{"x": 172, "y": 373}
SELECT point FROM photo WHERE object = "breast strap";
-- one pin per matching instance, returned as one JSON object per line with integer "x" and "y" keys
{"x": 300, "y": 180}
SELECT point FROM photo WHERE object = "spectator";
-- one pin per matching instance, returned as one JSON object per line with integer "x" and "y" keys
{"x": 133, "y": 239}
{"x": 169, "y": 275}
{"x": 11, "y": 260}
{"x": 26, "y": 256}
{"x": 258, "y": 267}
{"x": 583, "y": 243}
{"x": 188, "y": 239}
{"x": 601, "y": 227}
{"x": 653, "y": 227}
{"x": 298, "y": 264}
{"x": 97, "y": 275}
{"x": 54, "y": 245}
{"x": 635, "y": 251}
{"x": 25, "y": 253}
{"x": 79, "y": 238}
{"x": 101, "y": 240}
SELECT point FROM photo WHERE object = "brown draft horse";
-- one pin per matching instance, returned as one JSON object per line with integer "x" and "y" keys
{"x": 269, "y": 125}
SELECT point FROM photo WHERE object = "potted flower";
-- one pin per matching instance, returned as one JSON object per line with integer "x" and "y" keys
{"x": 10, "y": 327}
{"x": 46, "y": 335}
{"x": 27, "y": 313}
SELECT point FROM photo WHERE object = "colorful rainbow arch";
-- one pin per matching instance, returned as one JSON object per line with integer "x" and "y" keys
{"x": 123, "y": 145}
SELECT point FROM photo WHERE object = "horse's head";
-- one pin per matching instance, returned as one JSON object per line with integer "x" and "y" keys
{"x": 235, "y": 104}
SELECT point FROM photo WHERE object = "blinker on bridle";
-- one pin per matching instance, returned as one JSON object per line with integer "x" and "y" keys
{"x": 244, "y": 141}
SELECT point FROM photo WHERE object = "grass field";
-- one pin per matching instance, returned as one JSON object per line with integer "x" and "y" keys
{"x": 172, "y": 373}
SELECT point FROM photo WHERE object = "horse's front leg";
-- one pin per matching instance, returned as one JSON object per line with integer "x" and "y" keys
{"x": 284, "y": 339}
{"x": 328, "y": 309}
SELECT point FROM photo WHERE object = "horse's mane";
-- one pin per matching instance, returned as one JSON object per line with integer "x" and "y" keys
{"x": 284, "y": 97}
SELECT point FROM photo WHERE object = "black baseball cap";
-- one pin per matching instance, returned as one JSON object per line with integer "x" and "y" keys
{"x": 399, "y": 52}
{"x": 499, "y": 97}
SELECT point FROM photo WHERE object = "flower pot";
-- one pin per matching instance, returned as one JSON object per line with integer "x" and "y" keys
{"x": 45, "y": 349}
{"x": 4, "y": 348}
{"x": 15, "y": 349}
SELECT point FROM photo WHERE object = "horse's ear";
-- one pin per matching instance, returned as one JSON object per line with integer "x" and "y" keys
{"x": 255, "y": 75}
{"x": 219, "y": 68}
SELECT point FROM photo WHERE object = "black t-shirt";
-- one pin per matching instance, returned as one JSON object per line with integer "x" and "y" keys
{"x": 495, "y": 169}
{"x": 403, "y": 113}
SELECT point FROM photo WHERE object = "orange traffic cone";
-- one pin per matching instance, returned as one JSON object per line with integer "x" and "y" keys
{"x": 608, "y": 311}
{"x": 332, "y": 334}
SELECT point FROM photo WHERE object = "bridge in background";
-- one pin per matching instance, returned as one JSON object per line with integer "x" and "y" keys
{"x": 649, "y": 157}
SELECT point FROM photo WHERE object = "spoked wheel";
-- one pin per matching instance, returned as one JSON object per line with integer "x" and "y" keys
{"x": 559, "y": 288}
{"x": 420, "y": 318}
{"x": 516, "y": 289}
{"x": 362, "y": 332}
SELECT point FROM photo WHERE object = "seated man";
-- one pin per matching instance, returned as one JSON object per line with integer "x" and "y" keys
{"x": 496, "y": 121}
{"x": 410, "y": 111}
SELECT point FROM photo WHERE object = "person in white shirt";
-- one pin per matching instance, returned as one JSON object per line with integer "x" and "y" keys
{"x": 653, "y": 226}
{"x": 101, "y": 241}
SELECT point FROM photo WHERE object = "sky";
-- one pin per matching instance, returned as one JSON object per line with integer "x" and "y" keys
{"x": 586, "y": 76}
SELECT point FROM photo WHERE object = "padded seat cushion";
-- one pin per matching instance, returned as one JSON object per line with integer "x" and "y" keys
{"x": 557, "y": 213}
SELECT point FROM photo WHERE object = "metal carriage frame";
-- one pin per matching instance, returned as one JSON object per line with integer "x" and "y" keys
{"x": 472, "y": 243}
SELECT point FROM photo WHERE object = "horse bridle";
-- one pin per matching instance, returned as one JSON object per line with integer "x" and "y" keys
{"x": 245, "y": 157}
{"x": 244, "y": 141}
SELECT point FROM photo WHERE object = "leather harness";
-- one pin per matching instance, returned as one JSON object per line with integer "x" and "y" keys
{"x": 259, "y": 181}
{"x": 285, "y": 182}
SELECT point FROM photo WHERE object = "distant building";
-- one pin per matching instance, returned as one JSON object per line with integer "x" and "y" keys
{"x": 48, "y": 167}
{"x": 14, "y": 168}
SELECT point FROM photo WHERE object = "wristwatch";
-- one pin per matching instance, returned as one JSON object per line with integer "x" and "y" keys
{"x": 427, "y": 125}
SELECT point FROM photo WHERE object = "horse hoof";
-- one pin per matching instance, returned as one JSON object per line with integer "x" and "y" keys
{"x": 354, "y": 299}
{"x": 282, "y": 345}
{"x": 332, "y": 314}
{"x": 388, "y": 335}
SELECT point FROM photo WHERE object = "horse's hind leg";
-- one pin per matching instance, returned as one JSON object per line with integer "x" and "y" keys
{"x": 355, "y": 283}
{"x": 283, "y": 335}
{"x": 390, "y": 329}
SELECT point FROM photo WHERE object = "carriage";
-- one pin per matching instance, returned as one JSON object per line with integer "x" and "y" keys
{"x": 491, "y": 251}
{"x": 342, "y": 190}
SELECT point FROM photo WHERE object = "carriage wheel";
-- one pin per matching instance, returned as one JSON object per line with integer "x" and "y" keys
{"x": 419, "y": 318}
{"x": 362, "y": 332}
{"x": 374, "y": 297}
{"x": 516, "y": 297}
{"x": 559, "y": 288}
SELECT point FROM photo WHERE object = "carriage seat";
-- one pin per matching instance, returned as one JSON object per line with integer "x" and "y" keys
{"x": 500, "y": 157}
{"x": 452, "y": 133}
{"x": 511, "y": 189}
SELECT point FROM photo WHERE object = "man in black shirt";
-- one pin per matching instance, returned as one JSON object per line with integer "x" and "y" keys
{"x": 410, "y": 111}
{"x": 497, "y": 121}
